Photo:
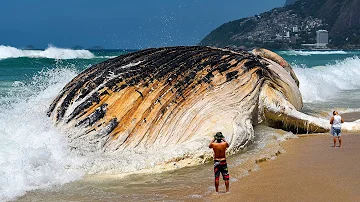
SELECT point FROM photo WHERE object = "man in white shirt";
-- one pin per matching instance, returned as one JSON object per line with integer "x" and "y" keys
{"x": 336, "y": 122}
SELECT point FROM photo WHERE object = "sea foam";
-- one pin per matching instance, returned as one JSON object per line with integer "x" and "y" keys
{"x": 33, "y": 154}
{"x": 324, "y": 83}
{"x": 308, "y": 53}
{"x": 50, "y": 52}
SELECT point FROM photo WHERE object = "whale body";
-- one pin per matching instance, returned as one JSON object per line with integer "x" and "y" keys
{"x": 177, "y": 98}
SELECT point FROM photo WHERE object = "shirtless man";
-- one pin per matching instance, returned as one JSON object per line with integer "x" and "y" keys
{"x": 219, "y": 145}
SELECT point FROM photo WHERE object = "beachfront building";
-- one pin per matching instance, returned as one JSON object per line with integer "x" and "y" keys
{"x": 322, "y": 38}
{"x": 295, "y": 29}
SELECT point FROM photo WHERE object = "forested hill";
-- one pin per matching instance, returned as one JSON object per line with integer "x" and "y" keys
{"x": 293, "y": 25}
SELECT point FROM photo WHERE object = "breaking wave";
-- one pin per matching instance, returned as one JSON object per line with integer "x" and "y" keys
{"x": 33, "y": 154}
{"x": 308, "y": 53}
{"x": 50, "y": 52}
{"x": 323, "y": 83}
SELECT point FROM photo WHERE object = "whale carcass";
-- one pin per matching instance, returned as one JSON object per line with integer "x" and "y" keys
{"x": 178, "y": 97}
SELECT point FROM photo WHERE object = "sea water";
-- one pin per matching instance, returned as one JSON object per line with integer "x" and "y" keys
{"x": 35, "y": 156}
{"x": 328, "y": 79}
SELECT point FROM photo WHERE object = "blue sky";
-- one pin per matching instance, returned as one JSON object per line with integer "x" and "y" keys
{"x": 119, "y": 24}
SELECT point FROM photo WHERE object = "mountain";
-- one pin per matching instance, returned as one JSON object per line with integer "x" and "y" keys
{"x": 293, "y": 25}
{"x": 29, "y": 47}
{"x": 289, "y": 2}
{"x": 77, "y": 47}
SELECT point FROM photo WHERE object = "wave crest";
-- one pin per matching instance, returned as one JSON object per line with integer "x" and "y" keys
{"x": 308, "y": 53}
{"x": 323, "y": 83}
{"x": 33, "y": 153}
{"x": 50, "y": 52}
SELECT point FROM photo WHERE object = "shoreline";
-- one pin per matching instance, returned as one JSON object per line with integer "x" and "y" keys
{"x": 310, "y": 170}
{"x": 176, "y": 185}
{"x": 307, "y": 169}
{"x": 304, "y": 171}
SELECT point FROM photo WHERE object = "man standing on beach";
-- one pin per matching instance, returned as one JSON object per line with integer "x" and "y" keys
{"x": 219, "y": 146}
{"x": 335, "y": 122}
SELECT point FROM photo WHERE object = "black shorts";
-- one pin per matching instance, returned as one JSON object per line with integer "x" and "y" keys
{"x": 221, "y": 167}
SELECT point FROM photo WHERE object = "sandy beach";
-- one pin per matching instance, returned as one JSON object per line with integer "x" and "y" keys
{"x": 307, "y": 169}
{"x": 310, "y": 170}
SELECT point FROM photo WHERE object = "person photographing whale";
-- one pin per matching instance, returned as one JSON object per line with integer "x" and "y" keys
{"x": 219, "y": 146}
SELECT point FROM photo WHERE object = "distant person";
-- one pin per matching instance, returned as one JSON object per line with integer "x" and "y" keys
{"x": 335, "y": 122}
{"x": 219, "y": 146}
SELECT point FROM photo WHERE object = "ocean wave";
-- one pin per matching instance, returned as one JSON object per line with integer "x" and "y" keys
{"x": 107, "y": 57}
{"x": 50, "y": 52}
{"x": 33, "y": 154}
{"x": 308, "y": 53}
{"x": 324, "y": 83}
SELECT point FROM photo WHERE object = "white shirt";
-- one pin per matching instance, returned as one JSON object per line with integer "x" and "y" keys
{"x": 337, "y": 121}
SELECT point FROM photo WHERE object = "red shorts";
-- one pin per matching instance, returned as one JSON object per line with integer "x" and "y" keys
{"x": 221, "y": 167}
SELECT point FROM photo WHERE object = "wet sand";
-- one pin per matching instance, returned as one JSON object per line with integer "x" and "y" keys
{"x": 310, "y": 170}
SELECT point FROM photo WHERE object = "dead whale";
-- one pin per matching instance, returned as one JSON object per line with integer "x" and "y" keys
{"x": 178, "y": 97}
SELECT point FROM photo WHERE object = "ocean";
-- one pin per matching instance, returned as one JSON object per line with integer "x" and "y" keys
{"x": 36, "y": 163}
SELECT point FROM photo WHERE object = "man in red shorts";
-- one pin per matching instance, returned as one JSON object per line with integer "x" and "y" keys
{"x": 219, "y": 145}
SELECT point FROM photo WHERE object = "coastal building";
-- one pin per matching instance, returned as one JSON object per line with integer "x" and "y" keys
{"x": 287, "y": 34}
{"x": 295, "y": 29}
{"x": 322, "y": 38}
